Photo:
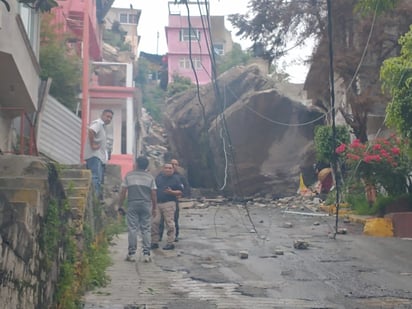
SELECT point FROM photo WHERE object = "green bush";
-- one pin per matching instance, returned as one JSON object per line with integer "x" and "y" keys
{"x": 323, "y": 141}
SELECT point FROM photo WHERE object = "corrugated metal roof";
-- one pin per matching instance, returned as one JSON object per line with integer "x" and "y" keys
{"x": 58, "y": 133}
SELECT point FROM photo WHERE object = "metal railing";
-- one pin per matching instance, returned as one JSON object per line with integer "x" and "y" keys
{"x": 25, "y": 135}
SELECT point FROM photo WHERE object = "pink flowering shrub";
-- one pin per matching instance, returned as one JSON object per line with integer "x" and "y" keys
{"x": 383, "y": 161}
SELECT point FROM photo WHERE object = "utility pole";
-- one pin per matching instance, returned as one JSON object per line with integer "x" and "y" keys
{"x": 157, "y": 44}
{"x": 85, "y": 83}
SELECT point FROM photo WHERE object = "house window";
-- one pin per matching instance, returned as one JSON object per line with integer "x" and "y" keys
{"x": 31, "y": 20}
{"x": 184, "y": 63}
{"x": 189, "y": 35}
{"x": 123, "y": 18}
{"x": 132, "y": 19}
{"x": 218, "y": 49}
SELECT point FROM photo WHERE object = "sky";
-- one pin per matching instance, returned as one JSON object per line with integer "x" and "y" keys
{"x": 154, "y": 18}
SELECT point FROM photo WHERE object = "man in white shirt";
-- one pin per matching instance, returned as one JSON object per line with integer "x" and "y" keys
{"x": 95, "y": 152}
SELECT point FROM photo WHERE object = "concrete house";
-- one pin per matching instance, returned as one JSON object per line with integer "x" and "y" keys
{"x": 191, "y": 38}
{"x": 20, "y": 85}
{"x": 109, "y": 84}
{"x": 128, "y": 20}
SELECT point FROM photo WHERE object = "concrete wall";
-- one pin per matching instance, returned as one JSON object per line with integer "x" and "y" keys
{"x": 33, "y": 243}
{"x": 19, "y": 77}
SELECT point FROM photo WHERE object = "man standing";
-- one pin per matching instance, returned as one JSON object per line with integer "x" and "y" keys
{"x": 169, "y": 189}
{"x": 186, "y": 192}
{"x": 140, "y": 187}
{"x": 95, "y": 152}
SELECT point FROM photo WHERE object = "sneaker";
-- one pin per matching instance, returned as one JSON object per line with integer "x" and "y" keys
{"x": 169, "y": 247}
{"x": 131, "y": 258}
{"x": 154, "y": 246}
{"x": 177, "y": 239}
{"x": 146, "y": 257}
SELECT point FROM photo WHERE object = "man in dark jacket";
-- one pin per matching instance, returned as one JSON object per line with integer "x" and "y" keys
{"x": 169, "y": 188}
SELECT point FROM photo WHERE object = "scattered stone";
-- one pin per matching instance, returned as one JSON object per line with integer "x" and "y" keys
{"x": 302, "y": 208}
{"x": 346, "y": 220}
{"x": 208, "y": 266}
{"x": 316, "y": 223}
{"x": 261, "y": 221}
{"x": 342, "y": 231}
{"x": 279, "y": 252}
{"x": 252, "y": 231}
{"x": 300, "y": 244}
{"x": 287, "y": 225}
{"x": 243, "y": 254}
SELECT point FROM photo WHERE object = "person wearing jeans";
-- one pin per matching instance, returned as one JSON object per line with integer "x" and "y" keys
{"x": 95, "y": 151}
{"x": 141, "y": 188}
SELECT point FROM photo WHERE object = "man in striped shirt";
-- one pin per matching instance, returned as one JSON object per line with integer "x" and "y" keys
{"x": 140, "y": 188}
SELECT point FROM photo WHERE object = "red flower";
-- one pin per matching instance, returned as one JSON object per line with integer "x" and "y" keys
{"x": 353, "y": 157}
{"x": 377, "y": 147}
{"x": 341, "y": 149}
{"x": 396, "y": 150}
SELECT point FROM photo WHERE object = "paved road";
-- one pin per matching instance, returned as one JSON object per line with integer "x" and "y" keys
{"x": 205, "y": 271}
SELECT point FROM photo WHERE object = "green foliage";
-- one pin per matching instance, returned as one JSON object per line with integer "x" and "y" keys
{"x": 153, "y": 100}
{"x": 59, "y": 64}
{"x": 273, "y": 31}
{"x": 382, "y": 162}
{"x": 50, "y": 232}
{"x": 233, "y": 58}
{"x": 396, "y": 77}
{"x": 360, "y": 205}
{"x": 381, "y": 6}
{"x": 67, "y": 296}
{"x": 179, "y": 84}
{"x": 153, "y": 95}
{"x": 323, "y": 141}
{"x": 116, "y": 37}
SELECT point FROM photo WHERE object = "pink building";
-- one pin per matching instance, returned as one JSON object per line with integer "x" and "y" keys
{"x": 188, "y": 42}
{"x": 104, "y": 91}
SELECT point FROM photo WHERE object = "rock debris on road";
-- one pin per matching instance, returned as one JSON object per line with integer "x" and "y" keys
{"x": 207, "y": 269}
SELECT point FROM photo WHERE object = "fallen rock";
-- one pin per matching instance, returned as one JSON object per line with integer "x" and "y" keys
{"x": 300, "y": 244}
{"x": 243, "y": 254}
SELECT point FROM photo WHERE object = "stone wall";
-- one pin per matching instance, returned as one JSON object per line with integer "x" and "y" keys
{"x": 37, "y": 219}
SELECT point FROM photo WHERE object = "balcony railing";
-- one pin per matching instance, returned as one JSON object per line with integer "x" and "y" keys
{"x": 25, "y": 133}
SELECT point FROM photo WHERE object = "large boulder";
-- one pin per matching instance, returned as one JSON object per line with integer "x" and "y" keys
{"x": 259, "y": 143}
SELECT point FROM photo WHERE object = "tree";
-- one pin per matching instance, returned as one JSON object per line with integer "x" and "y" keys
{"x": 179, "y": 84}
{"x": 363, "y": 37}
{"x": 233, "y": 58}
{"x": 153, "y": 95}
{"x": 275, "y": 25}
{"x": 396, "y": 76}
{"x": 59, "y": 63}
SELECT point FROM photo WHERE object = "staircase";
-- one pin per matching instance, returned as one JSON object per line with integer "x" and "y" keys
{"x": 28, "y": 185}
{"x": 76, "y": 181}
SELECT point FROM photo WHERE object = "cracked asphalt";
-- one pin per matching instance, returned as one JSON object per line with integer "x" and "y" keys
{"x": 206, "y": 270}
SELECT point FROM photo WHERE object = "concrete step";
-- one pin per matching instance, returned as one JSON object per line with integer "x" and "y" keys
{"x": 74, "y": 173}
{"x": 69, "y": 183}
{"x": 79, "y": 192}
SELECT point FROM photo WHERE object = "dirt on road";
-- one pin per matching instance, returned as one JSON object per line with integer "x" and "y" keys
{"x": 229, "y": 259}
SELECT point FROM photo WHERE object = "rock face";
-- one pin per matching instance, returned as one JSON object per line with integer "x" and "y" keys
{"x": 257, "y": 145}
